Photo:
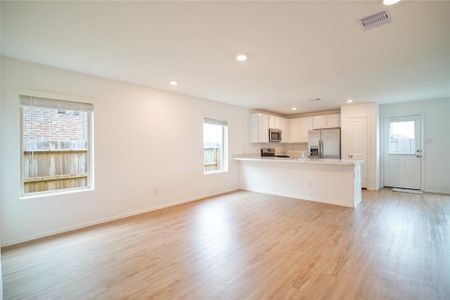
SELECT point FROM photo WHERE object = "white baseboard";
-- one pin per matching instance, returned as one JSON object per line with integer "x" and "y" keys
{"x": 107, "y": 219}
{"x": 437, "y": 191}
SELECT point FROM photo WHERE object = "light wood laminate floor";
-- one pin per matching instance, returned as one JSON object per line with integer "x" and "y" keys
{"x": 247, "y": 246}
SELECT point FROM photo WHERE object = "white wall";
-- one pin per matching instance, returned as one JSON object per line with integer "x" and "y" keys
{"x": 144, "y": 140}
{"x": 436, "y": 151}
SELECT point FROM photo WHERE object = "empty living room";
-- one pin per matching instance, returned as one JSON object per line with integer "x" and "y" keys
{"x": 225, "y": 150}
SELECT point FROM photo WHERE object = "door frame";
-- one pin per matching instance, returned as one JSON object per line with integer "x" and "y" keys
{"x": 422, "y": 142}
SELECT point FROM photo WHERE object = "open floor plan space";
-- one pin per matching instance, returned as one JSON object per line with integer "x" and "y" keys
{"x": 225, "y": 150}
{"x": 246, "y": 245}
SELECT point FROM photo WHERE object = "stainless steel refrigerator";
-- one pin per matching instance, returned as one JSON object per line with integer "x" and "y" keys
{"x": 325, "y": 143}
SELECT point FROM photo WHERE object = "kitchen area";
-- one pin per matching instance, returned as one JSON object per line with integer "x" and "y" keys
{"x": 323, "y": 157}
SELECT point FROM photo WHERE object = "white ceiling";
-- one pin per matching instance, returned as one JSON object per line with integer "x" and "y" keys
{"x": 298, "y": 50}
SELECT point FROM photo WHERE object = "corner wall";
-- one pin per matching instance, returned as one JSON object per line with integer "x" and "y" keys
{"x": 148, "y": 151}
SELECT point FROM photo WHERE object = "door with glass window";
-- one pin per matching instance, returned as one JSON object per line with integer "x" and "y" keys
{"x": 402, "y": 152}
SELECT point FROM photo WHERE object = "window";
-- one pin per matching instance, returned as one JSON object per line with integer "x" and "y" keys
{"x": 56, "y": 145}
{"x": 402, "y": 137}
{"x": 215, "y": 138}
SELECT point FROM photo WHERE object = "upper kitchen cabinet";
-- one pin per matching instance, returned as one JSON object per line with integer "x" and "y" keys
{"x": 260, "y": 124}
{"x": 259, "y": 128}
{"x": 275, "y": 122}
{"x": 333, "y": 121}
{"x": 319, "y": 122}
{"x": 326, "y": 121}
{"x": 306, "y": 124}
{"x": 298, "y": 129}
{"x": 294, "y": 130}
{"x": 285, "y": 129}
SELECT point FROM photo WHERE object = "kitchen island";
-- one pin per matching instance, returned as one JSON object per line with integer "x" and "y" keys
{"x": 332, "y": 181}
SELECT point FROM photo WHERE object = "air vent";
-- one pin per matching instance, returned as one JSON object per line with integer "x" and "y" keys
{"x": 375, "y": 20}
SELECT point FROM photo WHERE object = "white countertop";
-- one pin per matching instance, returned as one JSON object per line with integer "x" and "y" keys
{"x": 342, "y": 162}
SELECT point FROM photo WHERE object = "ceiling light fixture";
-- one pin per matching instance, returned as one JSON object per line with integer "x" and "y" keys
{"x": 294, "y": 108}
{"x": 173, "y": 83}
{"x": 349, "y": 101}
{"x": 241, "y": 57}
{"x": 390, "y": 2}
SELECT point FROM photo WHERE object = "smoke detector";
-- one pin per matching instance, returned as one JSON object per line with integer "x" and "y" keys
{"x": 375, "y": 20}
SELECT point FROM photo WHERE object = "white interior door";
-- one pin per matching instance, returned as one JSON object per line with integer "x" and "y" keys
{"x": 358, "y": 144}
{"x": 402, "y": 152}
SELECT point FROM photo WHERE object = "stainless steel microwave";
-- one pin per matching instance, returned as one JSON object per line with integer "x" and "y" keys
{"x": 274, "y": 135}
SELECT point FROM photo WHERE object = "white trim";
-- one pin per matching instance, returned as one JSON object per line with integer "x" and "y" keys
{"x": 109, "y": 219}
{"x": 50, "y": 95}
{"x": 215, "y": 121}
{"x": 215, "y": 172}
{"x": 434, "y": 191}
{"x": 371, "y": 188}
{"x": 56, "y": 192}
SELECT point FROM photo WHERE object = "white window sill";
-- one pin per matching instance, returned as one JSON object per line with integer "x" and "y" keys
{"x": 215, "y": 172}
{"x": 55, "y": 193}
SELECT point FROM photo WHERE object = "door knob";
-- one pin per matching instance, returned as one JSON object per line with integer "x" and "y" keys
{"x": 350, "y": 156}
{"x": 418, "y": 156}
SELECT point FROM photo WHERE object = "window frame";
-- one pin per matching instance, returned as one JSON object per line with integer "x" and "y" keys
{"x": 224, "y": 144}
{"x": 89, "y": 154}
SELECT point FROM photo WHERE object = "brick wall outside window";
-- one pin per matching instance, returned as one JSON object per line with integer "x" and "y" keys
{"x": 48, "y": 128}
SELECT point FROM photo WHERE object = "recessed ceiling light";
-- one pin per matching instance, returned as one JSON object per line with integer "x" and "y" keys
{"x": 241, "y": 57}
{"x": 173, "y": 83}
{"x": 294, "y": 108}
{"x": 349, "y": 101}
{"x": 390, "y": 2}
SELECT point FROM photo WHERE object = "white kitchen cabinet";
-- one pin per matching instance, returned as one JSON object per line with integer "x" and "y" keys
{"x": 319, "y": 122}
{"x": 333, "y": 121}
{"x": 294, "y": 130}
{"x": 298, "y": 129}
{"x": 274, "y": 122}
{"x": 306, "y": 124}
{"x": 260, "y": 124}
{"x": 259, "y": 128}
{"x": 284, "y": 126}
{"x": 326, "y": 121}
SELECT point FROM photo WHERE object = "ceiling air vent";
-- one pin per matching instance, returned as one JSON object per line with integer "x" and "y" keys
{"x": 375, "y": 20}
